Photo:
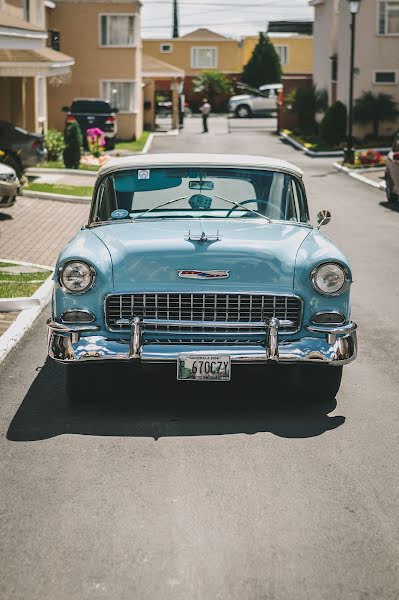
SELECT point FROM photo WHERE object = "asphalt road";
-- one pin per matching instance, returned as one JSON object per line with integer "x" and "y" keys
{"x": 167, "y": 492}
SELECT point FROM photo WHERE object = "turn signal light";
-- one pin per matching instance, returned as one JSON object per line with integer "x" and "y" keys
{"x": 77, "y": 316}
{"x": 328, "y": 319}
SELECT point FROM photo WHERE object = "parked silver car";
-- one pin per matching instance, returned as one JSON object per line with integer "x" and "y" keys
{"x": 261, "y": 102}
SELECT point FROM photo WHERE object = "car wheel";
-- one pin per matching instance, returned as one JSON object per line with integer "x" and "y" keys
{"x": 319, "y": 382}
{"x": 110, "y": 144}
{"x": 7, "y": 201}
{"x": 391, "y": 195}
{"x": 243, "y": 111}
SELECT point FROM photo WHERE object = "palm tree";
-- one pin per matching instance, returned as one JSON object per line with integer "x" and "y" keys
{"x": 374, "y": 108}
{"x": 211, "y": 84}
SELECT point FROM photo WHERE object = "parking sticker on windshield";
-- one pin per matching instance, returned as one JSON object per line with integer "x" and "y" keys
{"x": 144, "y": 174}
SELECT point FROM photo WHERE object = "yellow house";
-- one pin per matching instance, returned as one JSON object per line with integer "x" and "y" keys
{"x": 105, "y": 41}
{"x": 27, "y": 64}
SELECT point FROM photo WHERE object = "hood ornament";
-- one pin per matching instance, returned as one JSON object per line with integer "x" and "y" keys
{"x": 193, "y": 274}
{"x": 203, "y": 237}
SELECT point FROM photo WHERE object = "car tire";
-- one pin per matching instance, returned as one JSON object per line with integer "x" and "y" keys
{"x": 110, "y": 144}
{"x": 319, "y": 382}
{"x": 7, "y": 201}
{"x": 243, "y": 111}
{"x": 391, "y": 195}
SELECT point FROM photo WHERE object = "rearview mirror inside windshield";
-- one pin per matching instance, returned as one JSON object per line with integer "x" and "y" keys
{"x": 201, "y": 185}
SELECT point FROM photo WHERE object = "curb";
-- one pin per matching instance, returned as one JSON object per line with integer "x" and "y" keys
{"x": 26, "y": 318}
{"x": 46, "y": 171}
{"x": 326, "y": 154}
{"x": 59, "y": 197}
{"x": 379, "y": 186}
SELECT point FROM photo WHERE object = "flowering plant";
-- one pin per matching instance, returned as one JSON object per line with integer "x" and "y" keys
{"x": 96, "y": 141}
{"x": 369, "y": 158}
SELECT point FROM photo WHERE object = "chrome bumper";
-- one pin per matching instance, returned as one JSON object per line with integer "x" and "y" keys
{"x": 337, "y": 346}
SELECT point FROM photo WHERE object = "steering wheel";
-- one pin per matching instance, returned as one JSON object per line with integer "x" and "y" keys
{"x": 254, "y": 200}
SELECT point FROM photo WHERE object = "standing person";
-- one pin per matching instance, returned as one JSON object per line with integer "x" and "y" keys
{"x": 205, "y": 109}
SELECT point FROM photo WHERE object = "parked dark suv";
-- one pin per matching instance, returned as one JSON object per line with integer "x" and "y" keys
{"x": 92, "y": 112}
{"x": 392, "y": 171}
{"x": 20, "y": 149}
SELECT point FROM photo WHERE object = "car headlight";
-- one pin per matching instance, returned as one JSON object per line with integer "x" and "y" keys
{"x": 77, "y": 277}
{"x": 330, "y": 279}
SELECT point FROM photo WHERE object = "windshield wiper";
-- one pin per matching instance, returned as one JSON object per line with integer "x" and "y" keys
{"x": 244, "y": 209}
{"x": 160, "y": 206}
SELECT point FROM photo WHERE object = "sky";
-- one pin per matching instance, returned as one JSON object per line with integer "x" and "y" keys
{"x": 233, "y": 18}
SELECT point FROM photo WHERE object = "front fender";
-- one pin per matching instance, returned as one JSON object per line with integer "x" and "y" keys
{"x": 315, "y": 250}
{"x": 87, "y": 247}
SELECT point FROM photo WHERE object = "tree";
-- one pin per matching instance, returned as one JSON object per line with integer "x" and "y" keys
{"x": 374, "y": 108}
{"x": 264, "y": 65}
{"x": 73, "y": 146}
{"x": 211, "y": 84}
{"x": 333, "y": 125}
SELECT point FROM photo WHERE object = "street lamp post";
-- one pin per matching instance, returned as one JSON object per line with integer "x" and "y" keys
{"x": 354, "y": 6}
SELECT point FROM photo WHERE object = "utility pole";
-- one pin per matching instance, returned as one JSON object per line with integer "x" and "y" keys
{"x": 175, "y": 20}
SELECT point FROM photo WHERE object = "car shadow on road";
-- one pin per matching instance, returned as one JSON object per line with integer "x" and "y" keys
{"x": 5, "y": 217}
{"x": 391, "y": 205}
{"x": 158, "y": 406}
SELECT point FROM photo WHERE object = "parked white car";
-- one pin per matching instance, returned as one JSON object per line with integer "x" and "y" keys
{"x": 9, "y": 186}
{"x": 262, "y": 103}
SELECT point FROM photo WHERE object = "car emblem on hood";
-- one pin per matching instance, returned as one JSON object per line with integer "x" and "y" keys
{"x": 204, "y": 274}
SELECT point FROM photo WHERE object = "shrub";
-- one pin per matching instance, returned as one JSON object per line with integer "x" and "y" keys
{"x": 374, "y": 108}
{"x": 305, "y": 107}
{"x": 54, "y": 143}
{"x": 95, "y": 141}
{"x": 73, "y": 146}
{"x": 333, "y": 125}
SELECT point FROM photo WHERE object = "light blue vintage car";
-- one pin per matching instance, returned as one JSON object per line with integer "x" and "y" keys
{"x": 203, "y": 261}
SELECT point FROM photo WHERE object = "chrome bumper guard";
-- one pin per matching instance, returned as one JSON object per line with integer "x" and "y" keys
{"x": 338, "y": 345}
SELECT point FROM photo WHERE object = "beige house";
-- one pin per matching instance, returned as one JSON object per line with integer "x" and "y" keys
{"x": 27, "y": 64}
{"x": 376, "y": 53}
{"x": 105, "y": 40}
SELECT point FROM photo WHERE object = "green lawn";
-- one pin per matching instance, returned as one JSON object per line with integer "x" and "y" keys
{"x": 24, "y": 284}
{"x": 136, "y": 146}
{"x": 53, "y": 188}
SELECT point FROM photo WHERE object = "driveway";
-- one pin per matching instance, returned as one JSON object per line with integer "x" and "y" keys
{"x": 231, "y": 493}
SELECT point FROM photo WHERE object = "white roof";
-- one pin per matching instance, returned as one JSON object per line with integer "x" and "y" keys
{"x": 139, "y": 161}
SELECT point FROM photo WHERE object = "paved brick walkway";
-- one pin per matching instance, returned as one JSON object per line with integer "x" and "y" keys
{"x": 36, "y": 230}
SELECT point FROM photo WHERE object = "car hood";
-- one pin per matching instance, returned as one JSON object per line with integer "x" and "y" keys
{"x": 149, "y": 255}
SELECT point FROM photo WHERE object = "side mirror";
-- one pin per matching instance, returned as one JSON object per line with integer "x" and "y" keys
{"x": 323, "y": 218}
{"x": 65, "y": 109}
{"x": 115, "y": 110}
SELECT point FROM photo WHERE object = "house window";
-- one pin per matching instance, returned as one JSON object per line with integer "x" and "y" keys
{"x": 203, "y": 58}
{"x": 282, "y": 52}
{"x": 166, "y": 48}
{"x": 388, "y": 18}
{"x": 385, "y": 77}
{"x": 117, "y": 31}
{"x": 121, "y": 94}
{"x": 39, "y": 13}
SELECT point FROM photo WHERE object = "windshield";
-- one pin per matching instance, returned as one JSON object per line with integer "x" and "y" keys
{"x": 191, "y": 192}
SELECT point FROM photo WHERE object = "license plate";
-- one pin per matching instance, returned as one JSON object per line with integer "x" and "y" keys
{"x": 201, "y": 367}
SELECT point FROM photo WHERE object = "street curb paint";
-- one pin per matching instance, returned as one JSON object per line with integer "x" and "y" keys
{"x": 379, "y": 186}
{"x": 27, "y": 317}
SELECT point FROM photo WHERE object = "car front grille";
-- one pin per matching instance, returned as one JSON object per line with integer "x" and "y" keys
{"x": 234, "y": 308}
